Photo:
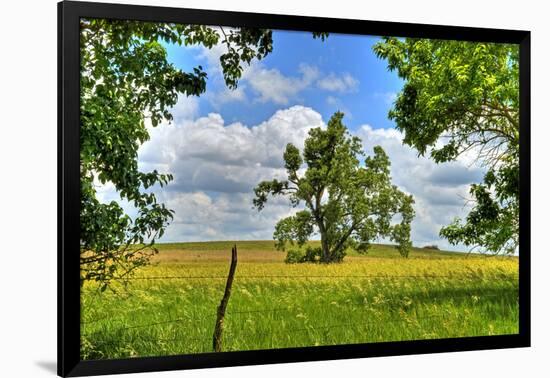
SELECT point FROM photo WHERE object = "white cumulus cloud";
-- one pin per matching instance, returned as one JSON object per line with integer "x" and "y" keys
{"x": 217, "y": 165}
{"x": 263, "y": 84}
{"x": 338, "y": 83}
{"x": 440, "y": 190}
{"x": 272, "y": 86}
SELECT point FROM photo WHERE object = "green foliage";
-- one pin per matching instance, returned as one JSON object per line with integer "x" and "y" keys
{"x": 243, "y": 45}
{"x": 463, "y": 97}
{"x": 489, "y": 224}
{"x": 294, "y": 256}
{"x": 321, "y": 35}
{"x": 300, "y": 255}
{"x": 313, "y": 254}
{"x": 126, "y": 79}
{"x": 346, "y": 203}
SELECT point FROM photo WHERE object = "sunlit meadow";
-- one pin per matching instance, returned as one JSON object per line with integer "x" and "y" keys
{"x": 170, "y": 307}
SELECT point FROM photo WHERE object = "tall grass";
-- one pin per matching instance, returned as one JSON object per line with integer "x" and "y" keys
{"x": 275, "y": 305}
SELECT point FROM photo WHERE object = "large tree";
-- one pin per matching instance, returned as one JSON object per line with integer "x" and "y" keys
{"x": 463, "y": 98}
{"x": 126, "y": 79}
{"x": 346, "y": 203}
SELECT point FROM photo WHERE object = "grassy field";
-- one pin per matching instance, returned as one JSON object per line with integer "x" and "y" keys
{"x": 170, "y": 306}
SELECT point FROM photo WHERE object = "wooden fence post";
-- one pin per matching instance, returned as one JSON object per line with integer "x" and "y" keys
{"x": 217, "y": 341}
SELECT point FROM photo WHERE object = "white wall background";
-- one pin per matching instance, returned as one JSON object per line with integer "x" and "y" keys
{"x": 28, "y": 187}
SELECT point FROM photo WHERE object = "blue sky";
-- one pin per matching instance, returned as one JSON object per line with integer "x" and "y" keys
{"x": 223, "y": 143}
{"x": 338, "y": 55}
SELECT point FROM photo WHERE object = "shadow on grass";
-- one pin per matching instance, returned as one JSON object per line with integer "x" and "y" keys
{"x": 508, "y": 295}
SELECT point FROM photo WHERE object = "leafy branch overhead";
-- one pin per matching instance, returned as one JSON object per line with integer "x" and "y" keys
{"x": 126, "y": 79}
{"x": 463, "y": 98}
{"x": 348, "y": 204}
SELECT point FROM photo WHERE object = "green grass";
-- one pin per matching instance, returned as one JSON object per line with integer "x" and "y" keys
{"x": 432, "y": 294}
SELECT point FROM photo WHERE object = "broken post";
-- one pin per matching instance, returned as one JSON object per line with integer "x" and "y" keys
{"x": 218, "y": 330}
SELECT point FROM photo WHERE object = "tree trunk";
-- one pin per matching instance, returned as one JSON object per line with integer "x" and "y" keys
{"x": 320, "y": 224}
{"x": 324, "y": 248}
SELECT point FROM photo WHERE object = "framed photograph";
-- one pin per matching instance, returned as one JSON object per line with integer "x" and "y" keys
{"x": 239, "y": 188}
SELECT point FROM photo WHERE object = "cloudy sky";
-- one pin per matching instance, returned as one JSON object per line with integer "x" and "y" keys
{"x": 222, "y": 144}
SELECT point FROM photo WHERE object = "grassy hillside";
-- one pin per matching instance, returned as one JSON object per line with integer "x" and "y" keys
{"x": 264, "y": 250}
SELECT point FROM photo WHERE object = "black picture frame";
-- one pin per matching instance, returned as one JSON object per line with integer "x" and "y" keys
{"x": 69, "y": 363}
